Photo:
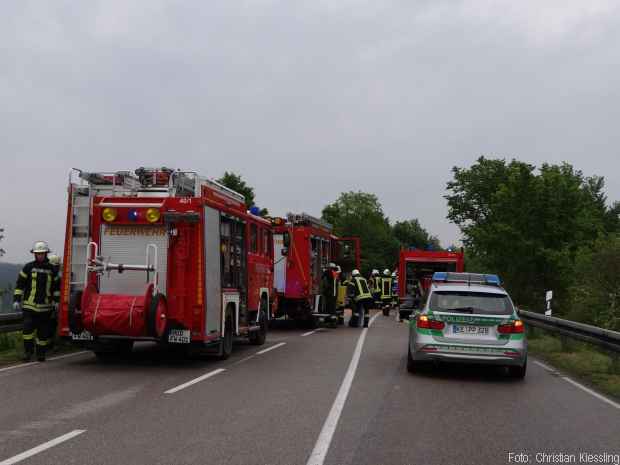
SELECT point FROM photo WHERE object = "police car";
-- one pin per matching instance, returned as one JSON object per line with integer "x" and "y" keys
{"x": 468, "y": 318}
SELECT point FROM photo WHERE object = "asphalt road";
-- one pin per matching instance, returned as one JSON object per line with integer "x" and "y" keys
{"x": 270, "y": 407}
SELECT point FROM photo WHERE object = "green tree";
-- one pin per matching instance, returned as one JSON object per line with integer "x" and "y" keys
{"x": 527, "y": 225}
{"x": 410, "y": 233}
{"x": 360, "y": 214}
{"x": 235, "y": 182}
{"x": 595, "y": 296}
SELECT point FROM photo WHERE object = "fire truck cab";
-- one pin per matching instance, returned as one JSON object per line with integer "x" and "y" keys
{"x": 303, "y": 248}
{"x": 415, "y": 273}
{"x": 166, "y": 256}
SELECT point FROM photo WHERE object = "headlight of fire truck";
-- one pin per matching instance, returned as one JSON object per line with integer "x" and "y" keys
{"x": 152, "y": 215}
{"x": 109, "y": 214}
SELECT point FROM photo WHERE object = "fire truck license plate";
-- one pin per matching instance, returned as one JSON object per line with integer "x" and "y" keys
{"x": 179, "y": 336}
{"x": 83, "y": 336}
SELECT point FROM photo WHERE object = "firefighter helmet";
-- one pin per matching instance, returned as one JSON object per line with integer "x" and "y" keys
{"x": 375, "y": 272}
{"x": 331, "y": 265}
{"x": 54, "y": 259}
{"x": 355, "y": 272}
{"x": 394, "y": 274}
{"x": 386, "y": 272}
{"x": 40, "y": 247}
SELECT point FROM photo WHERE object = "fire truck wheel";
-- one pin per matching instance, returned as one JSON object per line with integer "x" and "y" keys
{"x": 156, "y": 316}
{"x": 227, "y": 341}
{"x": 74, "y": 313}
{"x": 258, "y": 337}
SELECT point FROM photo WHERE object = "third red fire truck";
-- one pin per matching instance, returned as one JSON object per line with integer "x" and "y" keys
{"x": 166, "y": 256}
{"x": 416, "y": 268}
{"x": 303, "y": 247}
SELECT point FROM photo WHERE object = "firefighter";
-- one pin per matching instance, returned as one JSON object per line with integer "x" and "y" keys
{"x": 329, "y": 289}
{"x": 37, "y": 293}
{"x": 361, "y": 297}
{"x": 374, "y": 283}
{"x": 386, "y": 291}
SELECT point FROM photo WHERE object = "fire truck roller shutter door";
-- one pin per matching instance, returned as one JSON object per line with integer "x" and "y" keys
{"x": 127, "y": 245}
{"x": 213, "y": 279}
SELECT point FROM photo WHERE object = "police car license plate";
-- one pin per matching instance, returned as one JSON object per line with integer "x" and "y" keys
{"x": 470, "y": 330}
{"x": 179, "y": 336}
{"x": 83, "y": 336}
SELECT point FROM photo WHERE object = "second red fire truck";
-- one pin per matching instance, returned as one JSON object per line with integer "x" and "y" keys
{"x": 166, "y": 256}
{"x": 303, "y": 247}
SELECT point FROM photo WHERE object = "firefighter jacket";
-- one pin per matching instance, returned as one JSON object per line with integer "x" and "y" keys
{"x": 386, "y": 288}
{"x": 358, "y": 289}
{"x": 375, "y": 284}
{"x": 38, "y": 286}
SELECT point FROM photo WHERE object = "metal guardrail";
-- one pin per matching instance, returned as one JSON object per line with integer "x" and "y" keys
{"x": 605, "y": 338}
{"x": 10, "y": 322}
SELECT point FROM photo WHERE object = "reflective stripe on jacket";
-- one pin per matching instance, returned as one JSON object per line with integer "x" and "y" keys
{"x": 386, "y": 288}
{"x": 359, "y": 288}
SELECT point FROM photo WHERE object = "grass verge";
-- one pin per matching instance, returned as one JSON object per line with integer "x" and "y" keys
{"x": 12, "y": 348}
{"x": 596, "y": 367}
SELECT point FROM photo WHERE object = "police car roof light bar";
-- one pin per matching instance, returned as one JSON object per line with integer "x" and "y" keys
{"x": 469, "y": 278}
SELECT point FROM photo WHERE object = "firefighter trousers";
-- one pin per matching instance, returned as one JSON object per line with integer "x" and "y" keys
{"x": 37, "y": 331}
{"x": 329, "y": 304}
{"x": 360, "y": 316}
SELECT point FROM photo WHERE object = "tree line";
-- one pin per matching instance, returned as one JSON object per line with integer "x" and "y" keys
{"x": 542, "y": 228}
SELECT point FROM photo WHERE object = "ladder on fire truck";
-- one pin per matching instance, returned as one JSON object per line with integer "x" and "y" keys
{"x": 303, "y": 219}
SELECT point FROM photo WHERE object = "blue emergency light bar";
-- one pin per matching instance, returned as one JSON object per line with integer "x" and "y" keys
{"x": 469, "y": 278}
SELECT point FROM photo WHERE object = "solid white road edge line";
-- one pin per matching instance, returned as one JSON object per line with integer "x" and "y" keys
{"x": 193, "y": 381}
{"x": 578, "y": 385}
{"x": 309, "y": 333}
{"x": 270, "y": 348}
{"x": 23, "y": 365}
{"x": 317, "y": 457}
{"x": 72, "y": 354}
{"x": 42, "y": 447}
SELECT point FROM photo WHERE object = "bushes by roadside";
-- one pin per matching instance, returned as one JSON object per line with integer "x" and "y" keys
{"x": 597, "y": 368}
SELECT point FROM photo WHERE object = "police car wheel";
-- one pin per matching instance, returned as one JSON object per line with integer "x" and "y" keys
{"x": 517, "y": 372}
{"x": 412, "y": 365}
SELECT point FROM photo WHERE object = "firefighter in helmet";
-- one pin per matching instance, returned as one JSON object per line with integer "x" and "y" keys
{"x": 329, "y": 289}
{"x": 37, "y": 293}
{"x": 374, "y": 283}
{"x": 386, "y": 291}
{"x": 361, "y": 298}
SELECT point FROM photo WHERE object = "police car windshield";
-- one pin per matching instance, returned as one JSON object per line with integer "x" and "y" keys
{"x": 471, "y": 302}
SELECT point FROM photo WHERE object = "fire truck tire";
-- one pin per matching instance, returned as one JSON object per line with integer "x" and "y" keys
{"x": 257, "y": 338}
{"x": 227, "y": 340}
{"x": 156, "y": 316}
{"x": 74, "y": 313}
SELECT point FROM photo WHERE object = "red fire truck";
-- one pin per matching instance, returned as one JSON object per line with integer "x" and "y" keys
{"x": 166, "y": 256}
{"x": 303, "y": 247}
{"x": 416, "y": 268}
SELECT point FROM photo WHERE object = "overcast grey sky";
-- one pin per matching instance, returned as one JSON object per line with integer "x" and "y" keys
{"x": 305, "y": 99}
